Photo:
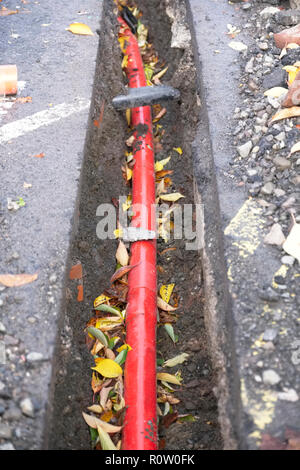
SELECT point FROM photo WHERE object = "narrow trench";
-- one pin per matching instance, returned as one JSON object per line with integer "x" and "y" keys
{"x": 101, "y": 183}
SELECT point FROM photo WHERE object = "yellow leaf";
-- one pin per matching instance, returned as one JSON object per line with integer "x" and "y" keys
{"x": 160, "y": 164}
{"x": 286, "y": 113}
{"x": 178, "y": 150}
{"x": 124, "y": 346}
{"x": 122, "y": 40}
{"x": 101, "y": 300}
{"x": 118, "y": 233}
{"x": 80, "y": 28}
{"x": 128, "y": 116}
{"x": 173, "y": 197}
{"x": 108, "y": 368}
{"x": 169, "y": 378}
{"x": 127, "y": 204}
{"x": 166, "y": 291}
{"x": 292, "y": 71}
{"x": 106, "y": 417}
{"x": 125, "y": 62}
{"x": 128, "y": 174}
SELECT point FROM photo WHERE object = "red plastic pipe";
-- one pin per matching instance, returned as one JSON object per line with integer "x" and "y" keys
{"x": 140, "y": 423}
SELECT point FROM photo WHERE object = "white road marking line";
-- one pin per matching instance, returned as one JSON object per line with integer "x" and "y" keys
{"x": 15, "y": 129}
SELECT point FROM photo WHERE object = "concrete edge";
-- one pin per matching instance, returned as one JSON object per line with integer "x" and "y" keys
{"x": 218, "y": 307}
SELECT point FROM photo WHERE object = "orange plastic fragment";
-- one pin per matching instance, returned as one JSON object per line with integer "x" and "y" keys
{"x": 76, "y": 271}
{"x": 80, "y": 293}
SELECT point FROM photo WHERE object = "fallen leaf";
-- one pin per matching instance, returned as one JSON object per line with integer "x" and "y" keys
{"x": 170, "y": 330}
{"x": 172, "y": 197}
{"x": 292, "y": 242}
{"x": 128, "y": 116}
{"x": 16, "y": 280}
{"x": 121, "y": 272}
{"x": 295, "y": 148}
{"x": 160, "y": 164}
{"x": 160, "y": 74}
{"x": 95, "y": 408}
{"x": 292, "y": 71}
{"x": 160, "y": 115}
{"x": 286, "y": 113}
{"x": 124, "y": 62}
{"x": 105, "y": 440}
{"x": 108, "y": 309}
{"x": 178, "y": 150}
{"x": 98, "y": 334}
{"x": 276, "y": 92}
{"x": 101, "y": 299}
{"x": 166, "y": 291}
{"x": 108, "y": 368}
{"x": 169, "y": 419}
{"x": 94, "y": 422}
{"x": 169, "y": 378}
{"x": 124, "y": 346}
{"x": 122, "y": 255}
{"x": 80, "y": 28}
{"x": 164, "y": 305}
{"x": 176, "y": 360}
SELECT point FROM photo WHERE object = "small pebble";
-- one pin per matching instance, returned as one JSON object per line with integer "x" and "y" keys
{"x": 270, "y": 377}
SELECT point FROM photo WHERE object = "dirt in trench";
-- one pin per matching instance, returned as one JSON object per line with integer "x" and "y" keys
{"x": 102, "y": 181}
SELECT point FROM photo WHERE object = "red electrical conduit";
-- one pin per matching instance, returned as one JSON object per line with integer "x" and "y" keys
{"x": 140, "y": 423}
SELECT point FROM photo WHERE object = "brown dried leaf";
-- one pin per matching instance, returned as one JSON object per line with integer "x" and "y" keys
{"x": 121, "y": 272}
{"x": 164, "y": 306}
{"x": 286, "y": 113}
